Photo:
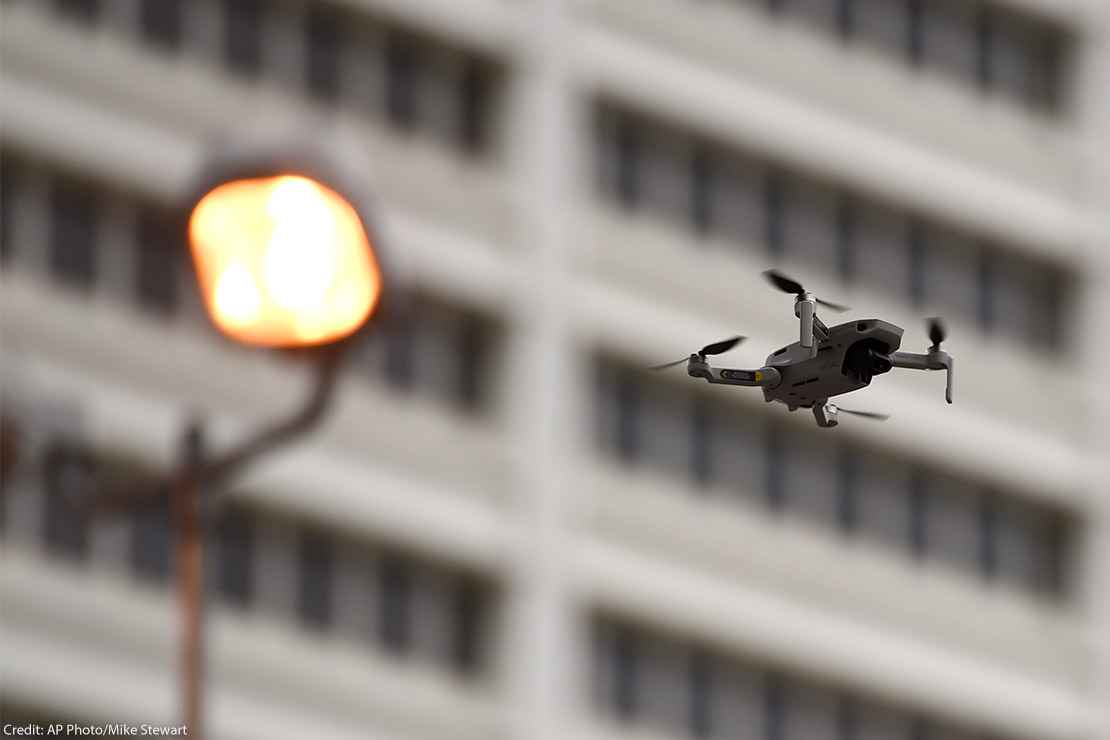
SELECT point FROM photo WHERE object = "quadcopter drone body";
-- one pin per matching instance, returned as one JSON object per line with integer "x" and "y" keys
{"x": 824, "y": 362}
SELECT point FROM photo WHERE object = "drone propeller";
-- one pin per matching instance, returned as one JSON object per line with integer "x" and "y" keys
{"x": 790, "y": 285}
{"x": 937, "y": 331}
{"x": 716, "y": 348}
{"x": 864, "y": 414}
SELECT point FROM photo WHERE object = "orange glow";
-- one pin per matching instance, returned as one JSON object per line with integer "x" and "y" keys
{"x": 283, "y": 262}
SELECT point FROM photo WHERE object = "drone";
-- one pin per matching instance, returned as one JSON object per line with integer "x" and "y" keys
{"x": 825, "y": 361}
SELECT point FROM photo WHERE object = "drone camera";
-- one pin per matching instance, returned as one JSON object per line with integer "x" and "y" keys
{"x": 866, "y": 359}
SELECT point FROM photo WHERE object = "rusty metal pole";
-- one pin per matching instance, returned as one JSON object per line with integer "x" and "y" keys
{"x": 190, "y": 579}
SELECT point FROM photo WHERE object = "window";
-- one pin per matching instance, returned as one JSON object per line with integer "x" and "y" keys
{"x": 395, "y": 599}
{"x": 701, "y": 695}
{"x": 664, "y": 172}
{"x": 780, "y": 213}
{"x": 234, "y": 536}
{"x": 952, "y": 521}
{"x": 73, "y": 237}
{"x": 11, "y": 450}
{"x": 243, "y": 36}
{"x": 152, "y": 544}
{"x": 702, "y": 177}
{"x": 69, "y": 480}
{"x": 701, "y": 444}
{"x": 325, "y": 44}
{"x": 9, "y": 192}
{"x": 664, "y": 419}
{"x": 774, "y": 213}
{"x": 737, "y": 201}
{"x": 774, "y": 484}
{"x": 158, "y": 261}
{"x": 316, "y": 568}
{"x": 951, "y": 39}
{"x": 84, "y": 11}
{"x": 810, "y": 476}
{"x": 624, "y": 683}
{"x": 472, "y": 353}
{"x": 161, "y": 22}
{"x": 811, "y": 228}
{"x": 642, "y": 677}
{"x": 626, "y": 162}
{"x": 475, "y": 93}
{"x": 402, "y": 80}
{"x": 467, "y": 604}
{"x": 400, "y": 361}
{"x": 738, "y": 460}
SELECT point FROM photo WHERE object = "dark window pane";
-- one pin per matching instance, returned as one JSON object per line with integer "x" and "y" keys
{"x": 919, "y": 510}
{"x": 846, "y": 223}
{"x": 624, "y": 668}
{"x": 627, "y": 154}
{"x": 918, "y": 246}
{"x": 243, "y": 36}
{"x": 628, "y": 416}
{"x": 701, "y": 448}
{"x": 701, "y": 695}
{"x": 472, "y": 351}
{"x": 324, "y": 39}
{"x": 73, "y": 226}
{"x": 400, "y": 369}
{"x": 316, "y": 580}
{"x": 774, "y": 483}
{"x": 984, "y": 47}
{"x": 915, "y": 30}
{"x": 847, "y": 513}
{"x": 234, "y": 552}
{"x": 475, "y": 93}
{"x": 161, "y": 21}
{"x": 69, "y": 478}
{"x": 986, "y": 289}
{"x": 402, "y": 80}
{"x": 845, "y": 18}
{"x": 466, "y": 635}
{"x": 11, "y": 448}
{"x": 158, "y": 261}
{"x": 395, "y": 596}
{"x": 774, "y": 708}
{"x": 85, "y": 11}
{"x": 703, "y": 177}
{"x": 774, "y": 213}
{"x": 988, "y": 536}
{"x": 152, "y": 542}
{"x": 9, "y": 183}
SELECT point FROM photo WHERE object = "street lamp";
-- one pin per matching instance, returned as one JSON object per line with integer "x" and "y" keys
{"x": 285, "y": 258}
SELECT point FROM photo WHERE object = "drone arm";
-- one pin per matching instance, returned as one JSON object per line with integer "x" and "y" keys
{"x": 767, "y": 377}
{"x": 935, "y": 360}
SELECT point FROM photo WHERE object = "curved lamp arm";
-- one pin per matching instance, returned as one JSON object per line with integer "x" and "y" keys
{"x": 219, "y": 468}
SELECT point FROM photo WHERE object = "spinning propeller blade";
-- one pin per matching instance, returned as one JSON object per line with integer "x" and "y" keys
{"x": 783, "y": 283}
{"x": 666, "y": 365}
{"x": 864, "y": 414}
{"x": 716, "y": 348}
{"x": 789, "y": 285}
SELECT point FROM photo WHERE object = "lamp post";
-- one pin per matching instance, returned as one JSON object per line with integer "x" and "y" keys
{"x": 285, "y": 258}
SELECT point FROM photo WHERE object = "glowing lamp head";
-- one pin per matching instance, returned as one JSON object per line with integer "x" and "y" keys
{"x": 283, "y": 261}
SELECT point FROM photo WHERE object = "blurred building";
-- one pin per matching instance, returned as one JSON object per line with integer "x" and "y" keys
{"x": 506, "y": 528}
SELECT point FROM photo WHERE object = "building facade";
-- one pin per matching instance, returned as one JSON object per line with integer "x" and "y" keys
{"x": 506, "y": 528}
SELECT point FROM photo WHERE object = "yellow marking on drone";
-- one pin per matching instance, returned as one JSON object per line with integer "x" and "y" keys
{"x": 758, "y": 376}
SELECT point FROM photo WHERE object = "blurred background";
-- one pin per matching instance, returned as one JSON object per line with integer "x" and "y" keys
{"x": 506, "y": 528}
